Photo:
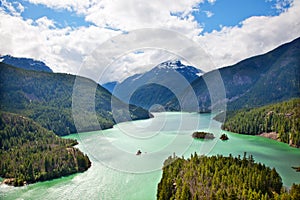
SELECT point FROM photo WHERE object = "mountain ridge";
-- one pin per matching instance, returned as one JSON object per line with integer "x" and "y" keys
{"x": 47, "y": 99}
{"x": 246, "y": 82}
{"x": 25, "y": 63}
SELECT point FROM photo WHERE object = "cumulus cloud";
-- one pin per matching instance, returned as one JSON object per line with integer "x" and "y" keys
{"x": 120, "y": 51}
{"x": 65, "y": 49}
{"x": 78, "y": 6}
{"x": 133, "y": 14}
{"x": 62, "y": 49}
{"x": 45, "y": 22}
{"x": 133, "y": 63}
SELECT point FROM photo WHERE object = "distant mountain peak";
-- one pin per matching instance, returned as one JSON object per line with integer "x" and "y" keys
{"x": 171, "y": 64}
{"x": 157, "y": 86}
{"x": 25, "y": 63}
{"x": 178, "y": 66}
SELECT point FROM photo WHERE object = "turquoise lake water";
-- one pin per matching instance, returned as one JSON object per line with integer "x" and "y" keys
{"x": 118, "y": 173}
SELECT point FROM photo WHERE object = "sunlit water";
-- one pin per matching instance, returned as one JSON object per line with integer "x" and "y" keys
{"x": 118, "y": 173}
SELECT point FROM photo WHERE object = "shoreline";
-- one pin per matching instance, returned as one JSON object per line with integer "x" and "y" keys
{"x": 270, "y": 135}
{"x": 275, "y": 136}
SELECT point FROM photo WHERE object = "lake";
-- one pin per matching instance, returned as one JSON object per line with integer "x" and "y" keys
{"x": 118, "y": 173}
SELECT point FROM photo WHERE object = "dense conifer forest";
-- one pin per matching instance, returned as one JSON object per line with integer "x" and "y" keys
{"x": 30, "y": 153}
{"x": 218, "y": 177}
{"x": 282, "y": 118}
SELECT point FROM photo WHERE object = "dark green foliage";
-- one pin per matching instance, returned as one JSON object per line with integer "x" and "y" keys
{"x": 203, "y": 135}
{"x": 219, "y": 177}
{"x": 30, "y": 153}
{"x": 282, "y": 118}
{"x": 151, "y": 94}
{"x": 295, "y": 192}
{"x": 47, "y": 99}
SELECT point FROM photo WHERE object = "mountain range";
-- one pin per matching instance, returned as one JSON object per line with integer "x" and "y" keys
{"x": 48, "y": 99}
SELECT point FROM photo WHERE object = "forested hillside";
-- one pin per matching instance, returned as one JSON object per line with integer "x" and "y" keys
{"x": 282, "y": 118}
{"x": 47, "y": 99}
{"x": 30, "y": 153}
{"x": 257, "y": 81}
{"x": 219, "y": 177}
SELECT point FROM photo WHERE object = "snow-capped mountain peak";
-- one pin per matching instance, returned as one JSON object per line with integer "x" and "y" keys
{"x": 171, "y": 64}
{"x": 177, "y": 65}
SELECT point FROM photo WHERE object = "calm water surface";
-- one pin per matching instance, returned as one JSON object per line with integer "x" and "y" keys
{"x": 118, "y": 173}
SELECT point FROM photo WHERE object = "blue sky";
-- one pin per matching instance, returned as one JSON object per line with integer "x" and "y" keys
{"x": 62, "y": 17}
{"x": 64, "y": 33}
{"x": 232, "y": 12}
{"x": 223, "y": 13}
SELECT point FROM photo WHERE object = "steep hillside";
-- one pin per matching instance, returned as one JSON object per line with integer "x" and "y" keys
{"x": 30, "y": 153}
{"x": 282, "y": 119}
{"x": 110, "y": 86}
{"x": 47, "y": 99}
{"x": 25, "y": 63}
{"x": 257, "y": 81}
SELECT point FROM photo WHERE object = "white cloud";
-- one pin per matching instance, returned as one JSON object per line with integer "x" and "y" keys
{"x": 64, "y": 49}
{"x": 133, "y": 14}
{"x": 132, "y": 63}
{"x": 78, "y": 6}
{"x": 45, "y": 22}
{"x": 208, "y": 13}
{"x": 212, "y": 1}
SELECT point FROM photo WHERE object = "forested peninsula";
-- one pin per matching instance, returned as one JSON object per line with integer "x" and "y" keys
{"x": 31, "y": 153}
{"x": 219, "y": 177}
{"x": 280, "y": 120}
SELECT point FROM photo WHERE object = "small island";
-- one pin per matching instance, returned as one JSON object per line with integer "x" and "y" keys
{"x": 203, "y": 135}
{"x": 138, "y": 153}
{"x": 204, "y": 111}
{"x": 224, "y": 137}
{"x": 296, "y": 168}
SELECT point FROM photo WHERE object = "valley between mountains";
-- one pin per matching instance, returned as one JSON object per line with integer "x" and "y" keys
{"x": 262, "y": 98}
